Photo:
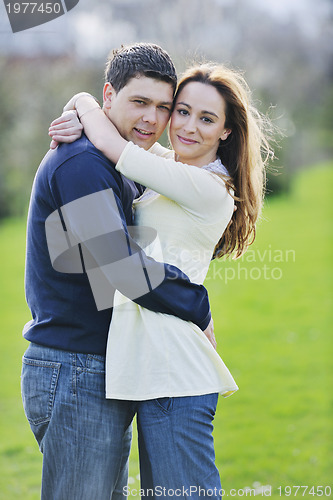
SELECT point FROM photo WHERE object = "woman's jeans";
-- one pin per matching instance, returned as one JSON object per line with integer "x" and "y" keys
{"x": 85, "y": 439}
{"x": 177, "y": 458}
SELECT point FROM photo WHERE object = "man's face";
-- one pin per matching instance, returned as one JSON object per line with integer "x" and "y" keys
{"x": 140, "y": 110}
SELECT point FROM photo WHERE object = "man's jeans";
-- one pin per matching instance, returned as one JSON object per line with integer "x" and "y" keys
{"x": 85, "y": 439}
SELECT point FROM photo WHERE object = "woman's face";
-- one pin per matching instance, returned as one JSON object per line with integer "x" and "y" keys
{"x": 198, "y": 123}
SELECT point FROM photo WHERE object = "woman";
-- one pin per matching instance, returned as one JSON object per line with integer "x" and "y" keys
{"x": 166, "y": 364}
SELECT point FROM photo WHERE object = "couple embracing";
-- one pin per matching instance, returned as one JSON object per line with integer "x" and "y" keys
{"x": 125, "y": 328}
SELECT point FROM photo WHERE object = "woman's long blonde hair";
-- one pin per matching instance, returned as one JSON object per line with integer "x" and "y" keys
{"x": 244, "y": 153}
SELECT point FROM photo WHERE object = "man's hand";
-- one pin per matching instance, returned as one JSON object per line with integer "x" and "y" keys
{"x": 66, "y": 128}
{"x": 209, "y": 332}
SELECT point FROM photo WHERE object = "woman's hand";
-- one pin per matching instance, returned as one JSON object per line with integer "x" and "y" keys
{"x": 66, "y": 128}
{"x": 209, "y": 332}
{"x": 97, "y": 126}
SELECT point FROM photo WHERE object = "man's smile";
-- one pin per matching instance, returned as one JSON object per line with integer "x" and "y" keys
{"x": 142, "y": 132}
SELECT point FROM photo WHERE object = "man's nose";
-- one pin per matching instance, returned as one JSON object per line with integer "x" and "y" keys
{"x": 150, "y": 115}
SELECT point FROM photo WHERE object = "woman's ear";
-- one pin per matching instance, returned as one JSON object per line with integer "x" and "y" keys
{"x": 225, "y": 134}
{"x": 108, "y": 92}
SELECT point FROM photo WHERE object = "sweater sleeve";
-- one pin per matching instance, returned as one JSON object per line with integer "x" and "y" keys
{"x": 195, "y": 189}
{"x": 98, "y": 243}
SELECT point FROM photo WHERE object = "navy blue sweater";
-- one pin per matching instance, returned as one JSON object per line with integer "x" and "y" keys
{"x": 63, "y": 307}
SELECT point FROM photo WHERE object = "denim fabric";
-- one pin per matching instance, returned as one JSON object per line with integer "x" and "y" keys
{"x": 177, "y": 447}
{"x": 85, "y": 439}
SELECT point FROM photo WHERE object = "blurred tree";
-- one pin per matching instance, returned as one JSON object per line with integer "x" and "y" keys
{"x": 32, "y": 93}
{"x": 287, "y": 61}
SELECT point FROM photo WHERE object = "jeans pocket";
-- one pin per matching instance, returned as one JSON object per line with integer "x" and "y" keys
{"x": 38, "y": 384}
{"x": 164, "y": 404}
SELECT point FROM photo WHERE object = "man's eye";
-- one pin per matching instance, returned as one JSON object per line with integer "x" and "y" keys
{"x": 165, "y": 108}
{"x": 138, "y": 101}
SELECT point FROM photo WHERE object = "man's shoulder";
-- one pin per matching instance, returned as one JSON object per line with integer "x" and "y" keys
{"x": 75, "y": 170}
{"x": 80, "y": 155}
{"x": 82, "y": 146}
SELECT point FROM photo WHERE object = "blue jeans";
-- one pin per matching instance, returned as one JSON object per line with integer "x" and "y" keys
{"x": 177, "y": 457}
{"x": 85, "y": 439}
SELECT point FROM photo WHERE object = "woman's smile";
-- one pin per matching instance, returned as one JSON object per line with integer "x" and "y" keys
{"x": 186, "y": 140}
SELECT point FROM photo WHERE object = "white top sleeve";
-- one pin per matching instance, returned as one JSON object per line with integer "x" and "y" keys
{"x": 195, "y": 189}
{"x": 160, "y": 150}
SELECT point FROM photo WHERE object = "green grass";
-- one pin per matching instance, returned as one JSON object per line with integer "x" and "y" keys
{"x": 272, "y": 314}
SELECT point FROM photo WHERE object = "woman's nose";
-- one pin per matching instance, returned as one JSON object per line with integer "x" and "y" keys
{"x": 190, "y": 125}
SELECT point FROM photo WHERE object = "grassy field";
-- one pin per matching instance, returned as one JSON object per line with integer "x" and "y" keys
{"x": 273, "y": 321}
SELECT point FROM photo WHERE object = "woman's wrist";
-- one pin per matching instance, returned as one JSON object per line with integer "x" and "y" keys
{"x": 82, "y": 96}
{"x": 84, "y": 103}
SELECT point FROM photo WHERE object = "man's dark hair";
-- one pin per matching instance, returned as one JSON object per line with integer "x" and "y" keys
{"x": 140, "y": 59}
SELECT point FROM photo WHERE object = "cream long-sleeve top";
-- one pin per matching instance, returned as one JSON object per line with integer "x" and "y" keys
{"x": 151, "y": 355}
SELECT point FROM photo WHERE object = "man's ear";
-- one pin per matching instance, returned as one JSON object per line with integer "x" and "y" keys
{"x": 225, "y": 134}
{"x": 108, "y": 92}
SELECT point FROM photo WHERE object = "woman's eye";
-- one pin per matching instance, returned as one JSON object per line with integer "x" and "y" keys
{"x": 206, "y": 120}
{"x": 182, "y": 112}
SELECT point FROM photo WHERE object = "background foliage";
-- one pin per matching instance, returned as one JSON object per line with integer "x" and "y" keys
{"x": 286, "y": 55}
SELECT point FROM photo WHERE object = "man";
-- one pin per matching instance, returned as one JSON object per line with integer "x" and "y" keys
{"x": 78, "y": 252}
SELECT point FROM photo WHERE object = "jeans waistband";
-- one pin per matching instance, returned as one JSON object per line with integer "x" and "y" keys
{"x": 89, "y": 361}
